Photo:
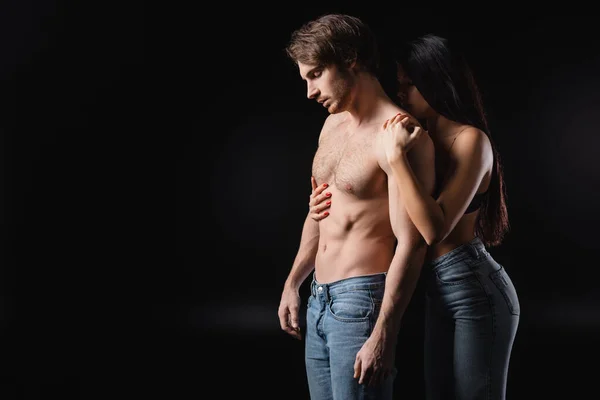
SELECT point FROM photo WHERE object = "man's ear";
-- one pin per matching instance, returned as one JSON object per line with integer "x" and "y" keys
{"x": 353, "y": 65}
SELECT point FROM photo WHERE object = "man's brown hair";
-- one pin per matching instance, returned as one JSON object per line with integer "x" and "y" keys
{"x": 336, "y": 39}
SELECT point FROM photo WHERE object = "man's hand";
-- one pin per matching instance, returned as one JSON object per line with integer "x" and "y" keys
{"x": 374, "y": 362}
{"x": 289, "y": 307}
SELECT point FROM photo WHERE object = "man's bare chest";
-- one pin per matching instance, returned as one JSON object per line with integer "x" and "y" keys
{"x": 347, "y": 161}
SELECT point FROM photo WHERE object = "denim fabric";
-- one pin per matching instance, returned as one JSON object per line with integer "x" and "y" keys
{"x": 340, "y": 318}
{"x": 472, "y": 315}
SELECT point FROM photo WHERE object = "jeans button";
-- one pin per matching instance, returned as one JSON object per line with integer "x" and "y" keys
{"x": 320, "y": 289}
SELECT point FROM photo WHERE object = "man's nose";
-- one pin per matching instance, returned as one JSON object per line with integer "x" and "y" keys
{"x": 311, "y": 92}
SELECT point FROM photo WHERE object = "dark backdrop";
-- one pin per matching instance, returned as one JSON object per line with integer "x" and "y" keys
{"x": 155, "y": 179}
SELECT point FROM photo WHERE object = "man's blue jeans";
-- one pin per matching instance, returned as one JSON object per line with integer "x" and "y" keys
{"x": 472, "y": 315}
{"x": 340, "y": 318}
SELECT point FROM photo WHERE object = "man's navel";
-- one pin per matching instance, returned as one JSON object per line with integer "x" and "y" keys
{"x": 348, "y": 225}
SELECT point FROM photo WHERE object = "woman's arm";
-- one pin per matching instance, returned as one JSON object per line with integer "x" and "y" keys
{"x": 436, "y": 218}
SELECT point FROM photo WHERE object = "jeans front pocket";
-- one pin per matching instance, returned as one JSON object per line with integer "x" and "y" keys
{"x": 506, "y": 287}
{"x": 351, "y": 306}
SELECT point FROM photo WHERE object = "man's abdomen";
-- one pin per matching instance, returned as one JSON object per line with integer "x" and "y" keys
{"x": 352, "y": 256}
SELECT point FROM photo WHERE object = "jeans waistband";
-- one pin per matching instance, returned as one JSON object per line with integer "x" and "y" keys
{"x": 361, "y": 282}
{"x": 474, "y": 249}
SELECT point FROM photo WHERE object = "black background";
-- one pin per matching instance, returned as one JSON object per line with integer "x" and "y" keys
{"x": 156, "y": 173}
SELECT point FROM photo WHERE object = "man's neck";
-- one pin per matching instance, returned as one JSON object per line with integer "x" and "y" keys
{"x": 369, "y": 97}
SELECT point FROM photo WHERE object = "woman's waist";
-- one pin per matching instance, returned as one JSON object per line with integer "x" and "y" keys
{"x": 448, "y": 253}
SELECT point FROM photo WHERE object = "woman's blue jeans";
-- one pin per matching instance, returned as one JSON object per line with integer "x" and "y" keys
{"x": 472, "y": 314}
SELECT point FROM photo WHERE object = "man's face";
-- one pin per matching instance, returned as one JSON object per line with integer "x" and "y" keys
{"x": 328, "y": 85}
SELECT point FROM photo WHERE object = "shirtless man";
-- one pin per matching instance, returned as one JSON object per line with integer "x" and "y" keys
{"x": 367, "y": 254}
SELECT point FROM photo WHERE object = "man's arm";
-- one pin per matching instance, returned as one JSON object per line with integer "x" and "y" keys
{"x": 405, "y": 268}
{"x": 304, "y": 263}
{"x": 374, "y": 361}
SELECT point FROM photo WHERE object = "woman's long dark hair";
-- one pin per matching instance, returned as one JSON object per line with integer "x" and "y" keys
{"x": 443, "y": 76}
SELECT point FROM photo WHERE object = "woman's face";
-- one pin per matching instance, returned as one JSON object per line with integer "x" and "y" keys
{"x": 410, "y": 97}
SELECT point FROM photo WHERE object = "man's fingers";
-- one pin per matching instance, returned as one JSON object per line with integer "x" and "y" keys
{"x": 283, "y": 318}
{"x": 295, "y": 326}
{"x": 364, "y": 376}
{"x": 293, "y": 314}
{"x": 287, "y": 323}
{"x": 360, "y": 371}
{"x": 296, "y": 335}
{"x": 357, "y": 368}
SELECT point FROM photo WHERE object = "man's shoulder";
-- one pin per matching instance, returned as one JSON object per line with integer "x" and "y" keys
{"x": 424, "y": 144}
{"x": 394, "y": 109}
